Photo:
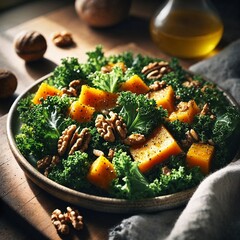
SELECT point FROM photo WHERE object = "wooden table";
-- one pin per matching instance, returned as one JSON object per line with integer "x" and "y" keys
{"x": 22, "y": 201}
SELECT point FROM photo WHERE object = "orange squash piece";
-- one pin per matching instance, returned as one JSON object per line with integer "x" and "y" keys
{"x": 185, "y": 112}
{"x": 81, "y": 112}
{"x": 135, "y": 84}
{"x": 121, "y": 65}
{"x": 159, "y": 147}
{"x": 97, "y": 98}
{"x": 164, "y": 97}
{"x": 200, "y": 154}
{"x": 101, "y": 173}
{"x": 44, "y": 91}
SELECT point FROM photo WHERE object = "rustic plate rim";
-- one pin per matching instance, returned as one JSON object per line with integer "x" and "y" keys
{"x": 89, "y": 201}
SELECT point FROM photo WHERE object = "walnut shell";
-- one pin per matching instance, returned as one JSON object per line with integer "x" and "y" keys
{"x": 102, "y": 13}
{"x": 30, "y": 45}
{"x": 8, "y": 83}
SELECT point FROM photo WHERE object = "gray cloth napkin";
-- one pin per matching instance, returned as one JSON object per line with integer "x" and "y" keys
{"x": 213, "y": 212}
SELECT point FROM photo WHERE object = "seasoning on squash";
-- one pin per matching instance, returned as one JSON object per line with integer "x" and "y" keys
{"x": 185, "y": 112}
{"x": 200, "y": 154}
{"x": 135, "y": 85}
{"x": 159, "y": 147}
{"x": 97, "y": 98}
{"x": 81, "y": 112}
{"x": 164, "y": 97}
{"x": 101, "y": 173}
{"x": 44, "y": 91}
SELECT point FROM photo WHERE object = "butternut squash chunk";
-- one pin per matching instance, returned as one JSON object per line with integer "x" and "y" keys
{"x": 110, "y": 66}
{"x": 200, "y": 154}
{"x": 159, "y": 147}
{"x": 81, "y": 112}
{"x": 164, "y": 97}
{"x": 135, "y": 85}
{"x": 97, "y": 98}
{"x": 101, "y": 173}
{"x": 185, "y": 112}
{"x": 44, "y": 91}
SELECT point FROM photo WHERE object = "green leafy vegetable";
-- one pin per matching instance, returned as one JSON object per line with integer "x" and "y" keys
{"x": 140, "y": 114}
{"x": 109, "y": 82}
{"x": 72, "y": 172}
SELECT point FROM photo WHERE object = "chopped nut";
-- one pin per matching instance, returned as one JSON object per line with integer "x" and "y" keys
{"x": 47, "y": 163}
{"x": 75, "y": 218}
{"x": 166, "y": 170}
{"x": 182, "y": 107}
{"x": 134, "y": 139}
{"x": 111, "y": 127}
{"x": 71, "y": 140}
{"x": 205, "y": 109}
{"x": 157, "y": 85}
{"x": 194, "y": 134}
{"x": 73, "y": 89}
{"x": 60, "y": 222}
{"x": 62, "y": 39}
{"x": 111, "y": 153}
{"x": 156, "y": 70}
{"x": 98, "y": 153}
{"x": 191, "y": 136}
{"x": 210, "y": 141}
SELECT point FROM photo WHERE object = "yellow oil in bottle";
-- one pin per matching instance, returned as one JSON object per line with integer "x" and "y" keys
{"x": 187, "y": 34}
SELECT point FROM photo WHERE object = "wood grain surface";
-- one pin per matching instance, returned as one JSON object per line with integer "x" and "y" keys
{"x": 25, "y": 202}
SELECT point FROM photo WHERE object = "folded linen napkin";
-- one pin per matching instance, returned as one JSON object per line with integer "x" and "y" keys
{"x": 213, "y": 212}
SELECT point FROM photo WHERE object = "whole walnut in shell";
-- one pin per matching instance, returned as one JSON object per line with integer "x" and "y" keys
{"x": 102, "y": 13}
{"x": 8, "y": 83}
{"x": 30, "y": 45}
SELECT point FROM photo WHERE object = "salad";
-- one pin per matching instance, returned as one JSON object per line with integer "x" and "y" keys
{"x": 126, "y": 126}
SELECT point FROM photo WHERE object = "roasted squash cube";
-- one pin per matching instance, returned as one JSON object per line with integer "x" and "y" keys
{"x": 159, "y": 147}
{"x": 44, "y": 91}
{"x": 101, "y": 173}
{"x": 164, "y": 97}
{"x": 200, "y": 154}
{"x": 110, "y": 66}
{"x": 97, "y": 98}
{"x": 135, "y": 85}
{"x": 81, "y": 112}
{"x": 185, "y": 112}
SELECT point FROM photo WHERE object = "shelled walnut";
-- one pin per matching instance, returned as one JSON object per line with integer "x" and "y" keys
{"x": 73, "y": 88}
{"x": 71, "y": 141}
{"x": 62, "y": 39}
{"x": 30, "y": 45}
{"x": 156, "y": 70}
{"x": 110, "y": 128}
{"x": 61, "y": 221}
{"x": 47, "y": 163}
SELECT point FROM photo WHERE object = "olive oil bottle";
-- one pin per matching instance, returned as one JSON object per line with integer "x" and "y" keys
{"x": 186, "y": 28}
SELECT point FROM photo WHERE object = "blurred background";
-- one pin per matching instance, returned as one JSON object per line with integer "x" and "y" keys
{"x": 14, "y": 12}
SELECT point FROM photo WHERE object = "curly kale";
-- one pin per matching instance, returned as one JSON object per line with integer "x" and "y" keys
{"x": 69, "y": 70}
{"x": 42, "y": 125}
{"x": 140, "y": 114}
{"x": 125, "y": 57}
{"x": 109, "y": 82}
{"x": 178, "y": 179}
{"x": 203, "y": 125}
{"x": 178, "y": 129}
{"x": 130, "y": 183}
{"x": 72, "y": 172}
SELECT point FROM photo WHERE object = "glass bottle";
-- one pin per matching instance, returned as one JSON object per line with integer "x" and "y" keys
{"x": 186, "y": 28}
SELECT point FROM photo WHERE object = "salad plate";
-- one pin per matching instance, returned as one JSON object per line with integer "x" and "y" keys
{"x": 82, "y": 199}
